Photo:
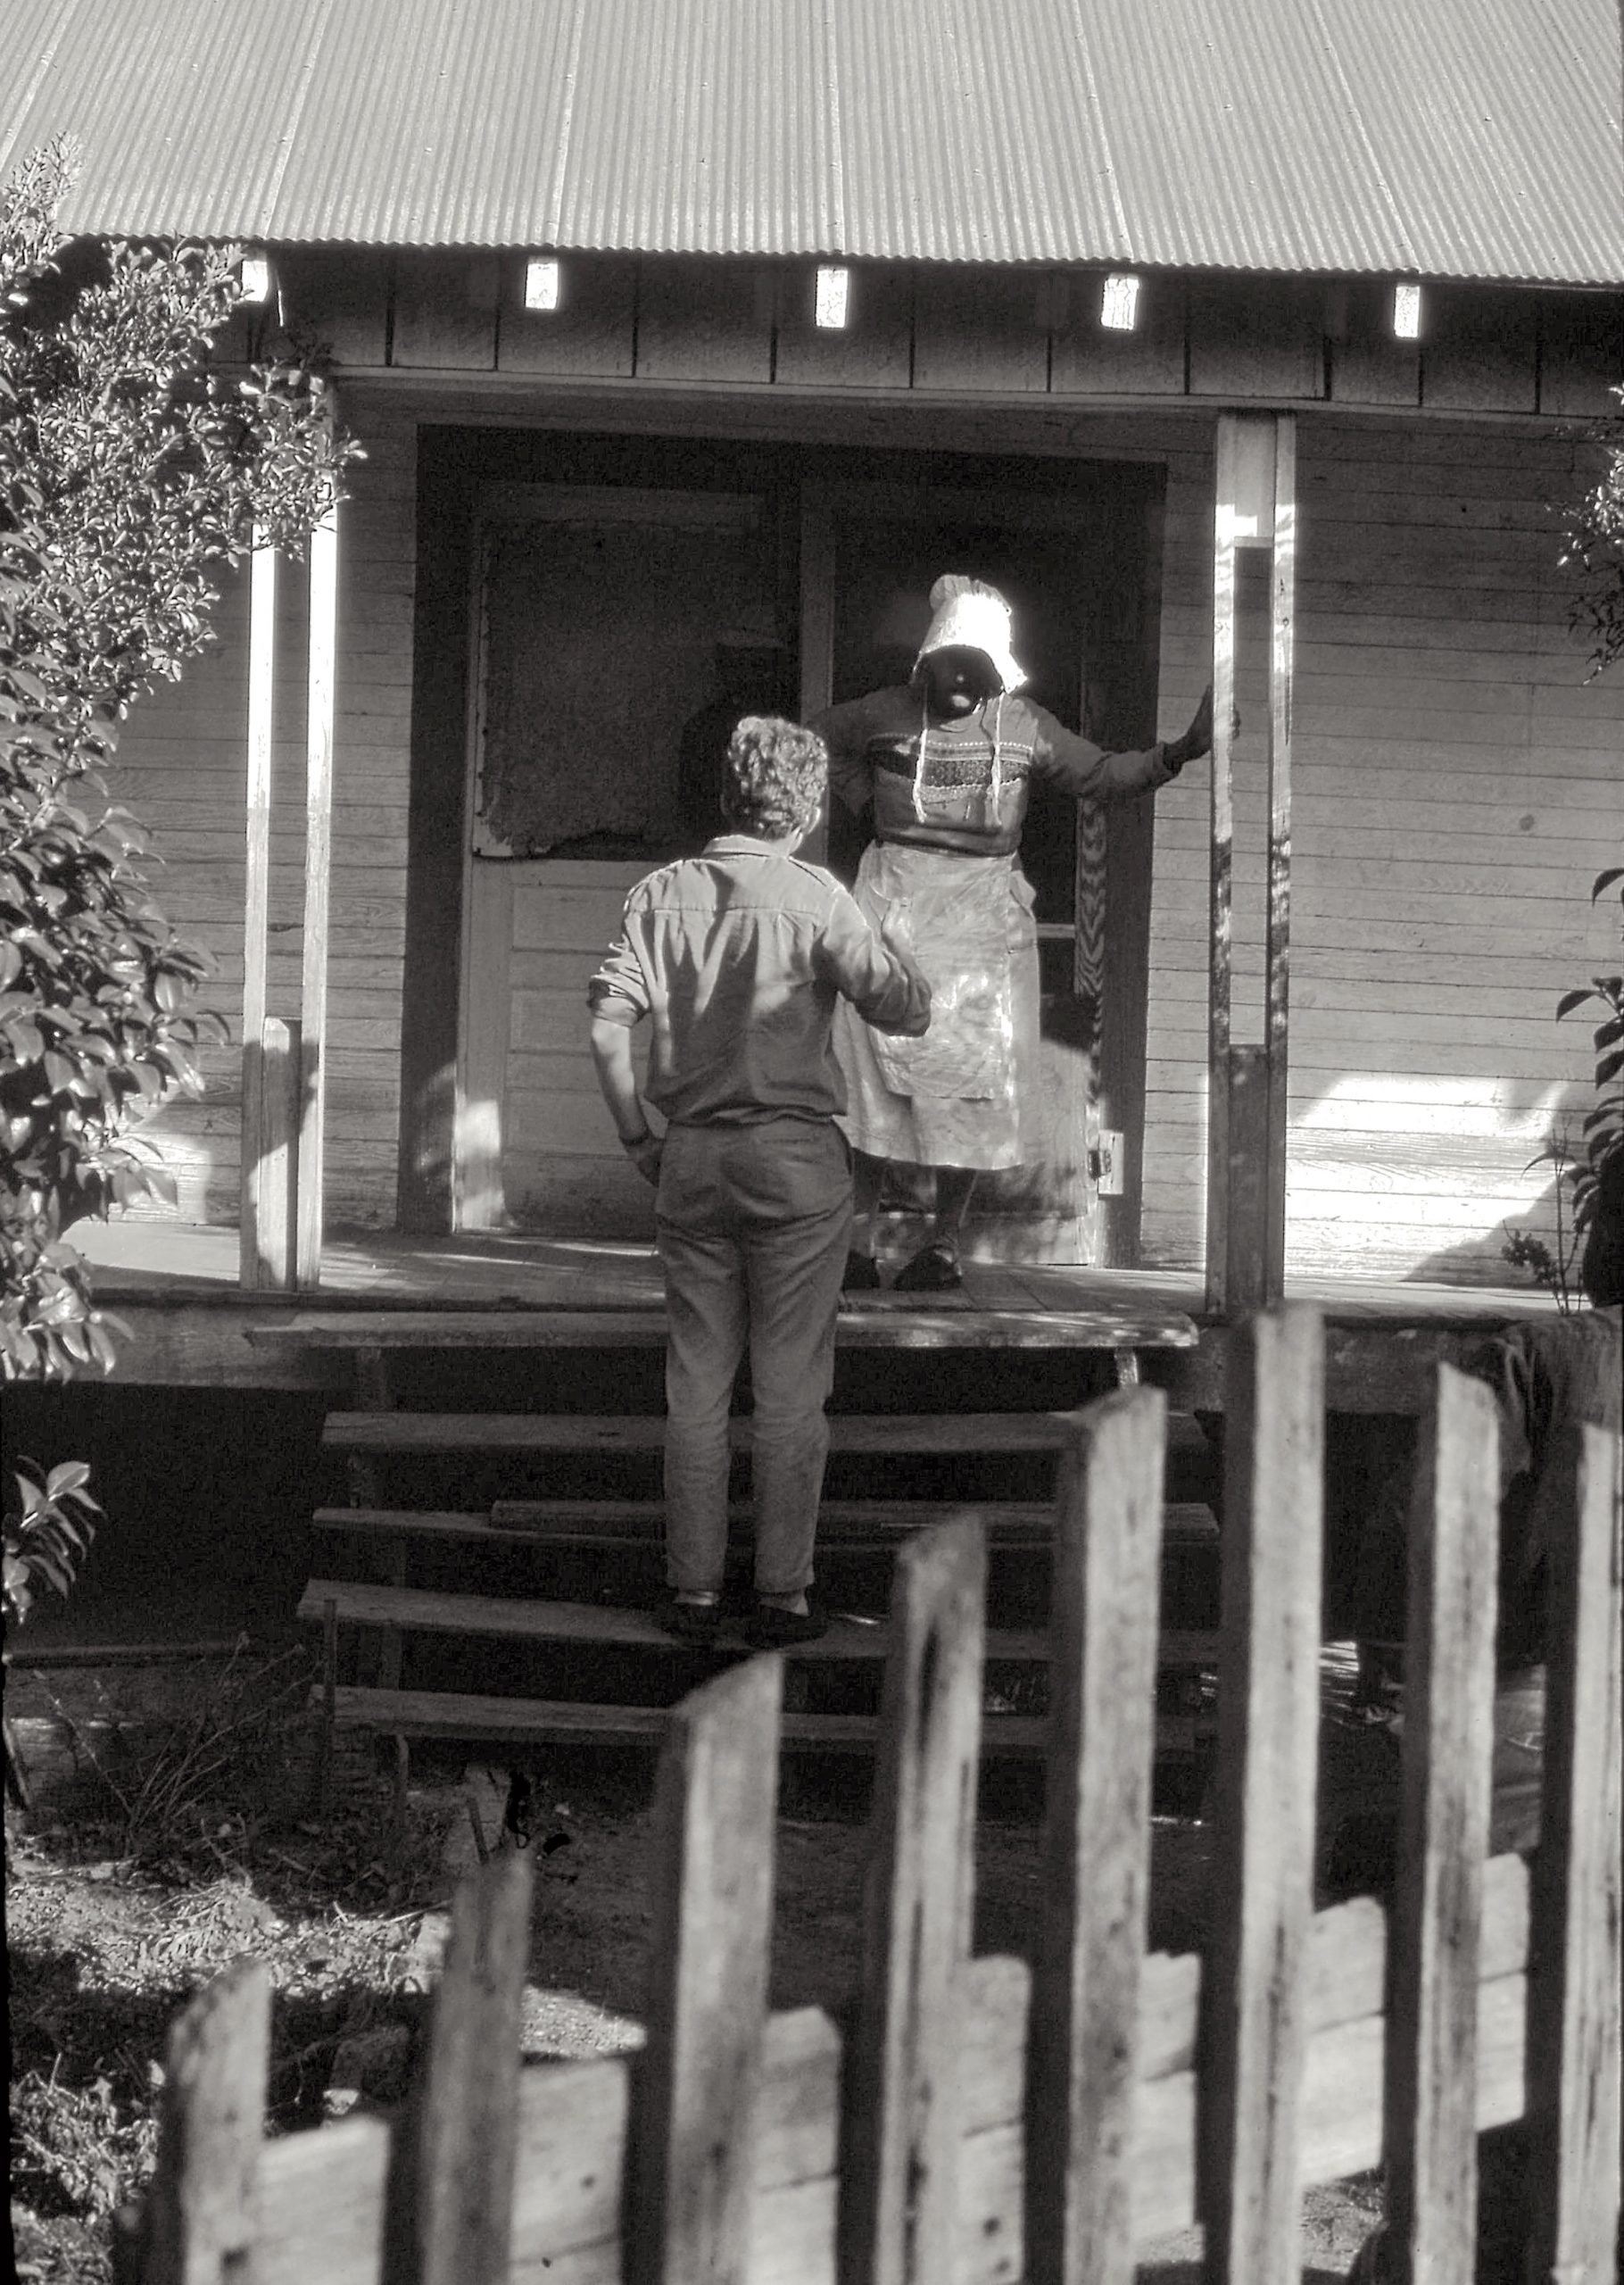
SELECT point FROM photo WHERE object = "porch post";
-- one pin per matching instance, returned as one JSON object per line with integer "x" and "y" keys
{"x": 269, "y": 1120}
{"x": 1254, "y": 506}
{"x": 322, "y": 650}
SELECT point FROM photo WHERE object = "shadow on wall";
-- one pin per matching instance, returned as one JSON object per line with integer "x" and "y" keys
{"x": 1482, "y": 1261}
{"x": 1417, "y": 1178}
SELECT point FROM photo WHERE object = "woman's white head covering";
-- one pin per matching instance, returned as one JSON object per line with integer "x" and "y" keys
{"x": 968, "y": 615}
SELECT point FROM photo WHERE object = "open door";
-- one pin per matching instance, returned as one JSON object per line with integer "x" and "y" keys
{"x": 1074, "y": 565}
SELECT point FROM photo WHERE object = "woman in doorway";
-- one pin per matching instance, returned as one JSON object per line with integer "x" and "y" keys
{"x": 945, "y": 762}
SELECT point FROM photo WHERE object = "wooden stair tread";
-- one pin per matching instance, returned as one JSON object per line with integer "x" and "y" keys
{"x": 853, "y": 1527}
{"x": 529, "y": 1721}
{"x": 424, "y": 1610}
{"x": 875, "y": 1434}
{"x": 877, "y": 1321}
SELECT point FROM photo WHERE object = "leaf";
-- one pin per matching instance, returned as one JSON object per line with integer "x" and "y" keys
{"x": 1569, "y": 1000}
{"x": 1605, "y": 881}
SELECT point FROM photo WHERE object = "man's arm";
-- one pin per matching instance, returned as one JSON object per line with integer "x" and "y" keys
{"x": 880, "y": 977}
{"x": 611, "y": 1046}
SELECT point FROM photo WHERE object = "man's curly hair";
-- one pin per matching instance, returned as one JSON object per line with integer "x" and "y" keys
{"x": 776, "y": 773}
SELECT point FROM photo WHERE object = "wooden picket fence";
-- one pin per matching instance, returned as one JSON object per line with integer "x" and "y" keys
{"x": 976, "y": 2120}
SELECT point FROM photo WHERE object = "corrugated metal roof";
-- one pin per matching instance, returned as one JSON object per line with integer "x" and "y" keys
{"x": 1451, "y": 138}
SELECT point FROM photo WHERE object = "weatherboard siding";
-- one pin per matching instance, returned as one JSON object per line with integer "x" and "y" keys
{"x": 182, "y": 768}
{"x": 1457, "y": 785}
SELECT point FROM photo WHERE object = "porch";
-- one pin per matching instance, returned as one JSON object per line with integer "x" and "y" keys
{"x": 176, "y": 1286}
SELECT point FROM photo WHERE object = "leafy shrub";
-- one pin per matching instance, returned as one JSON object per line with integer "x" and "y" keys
{"x": 1604, "y": 1123}
{"x": 133, "y": 475}
{"x": 1593, "y": 550}
{"x": 1578, "y": 1170}
{"x": 47, "y": 1533}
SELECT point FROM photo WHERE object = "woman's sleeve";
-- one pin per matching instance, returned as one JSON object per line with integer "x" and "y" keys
{"x": 844, "y": 730}
{"x": 1086, "y": 771}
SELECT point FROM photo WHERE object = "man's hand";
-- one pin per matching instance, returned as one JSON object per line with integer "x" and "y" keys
{"x": 644, "y": 1155}
{"x": 897, "y": 932}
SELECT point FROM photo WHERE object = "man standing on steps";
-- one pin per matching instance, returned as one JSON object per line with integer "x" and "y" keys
{"x": 739, "y": 956}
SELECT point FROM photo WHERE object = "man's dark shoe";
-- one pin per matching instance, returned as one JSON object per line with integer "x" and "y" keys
{"x": 698, "y": 1623}
{"x": 769, "y": 1627}
{"x": 862, "y": 1275}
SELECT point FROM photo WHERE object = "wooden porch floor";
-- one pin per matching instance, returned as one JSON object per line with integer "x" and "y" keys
{"x": 170, "y": 1262}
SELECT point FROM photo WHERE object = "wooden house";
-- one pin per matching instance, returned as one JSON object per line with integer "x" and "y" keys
{"x": 687, "y": 340}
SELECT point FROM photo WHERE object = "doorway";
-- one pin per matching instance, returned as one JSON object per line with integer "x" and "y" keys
{"x": 1076, "y": 568}
{"x": 598, "y": 617}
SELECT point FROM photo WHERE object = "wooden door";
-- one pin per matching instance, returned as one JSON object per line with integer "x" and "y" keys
{"x": 599, "y": 615}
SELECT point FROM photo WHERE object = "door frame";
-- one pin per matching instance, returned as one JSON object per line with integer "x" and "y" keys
{"x": 1113, "y": 862}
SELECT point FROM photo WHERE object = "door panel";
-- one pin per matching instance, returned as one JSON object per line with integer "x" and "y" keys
{"x": 605, "y": 618}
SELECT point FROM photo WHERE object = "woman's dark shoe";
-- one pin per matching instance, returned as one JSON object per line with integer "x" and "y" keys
{"x": 696, "y": 1623}
{"x": 862, "y": 1275}
{"x": 770, "y": 1627}
{"x": 934, "y": 1270}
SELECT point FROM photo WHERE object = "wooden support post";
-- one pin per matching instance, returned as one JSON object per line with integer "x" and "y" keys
{"x": 479, "y": 1200}
{"x": 900, "y": 2118}
{"x": 256, "y": 904}
{"x": 374, "y": 1393}
{"x": 329, "y": 1706}
{"x": 1429, "y": 2115}
{"x": 698, "y": 2085}
{"x": 270, "y": 1154}
{"x": 451, "y": 2202}
{"x": 201, "y": 2211}
{"x": 317, "y": 883}
{"x": 1277, "y": 970}
{"x": 1574, "y": 1977}
{"x": 1253, "y": 2022}
{"x": 1245, "y": 1281}
{"x": 1254, "y": 506}
{"x": 1082, "y": 2060}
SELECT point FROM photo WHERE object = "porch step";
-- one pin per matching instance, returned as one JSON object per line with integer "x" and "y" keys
{"x": 423, "y": 1611}
{"x": 878, "y": 1435}
{"x": 869, "y": 1321}
{"x": 844, "y": 1526}
{"x": 513, "y": 1722}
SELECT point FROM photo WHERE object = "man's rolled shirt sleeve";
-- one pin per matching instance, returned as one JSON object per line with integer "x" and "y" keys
{"x": 884, "y": 992}
{"x": 619, "y": 993}
{"x": 1086, "y": 772}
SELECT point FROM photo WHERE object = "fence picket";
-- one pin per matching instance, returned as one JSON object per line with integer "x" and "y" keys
{"x": 900, "y": 2124}
{"x": 1574, "y": 2039}
{"x": 1431, "y": 2053}
{"x": 1084, "y": 2057}
{"x": 450, "y": 2186}
{"x": 200, "y": 2218}
{"x": 1254, "y": 2028}
{"x": 698, "y": 2085}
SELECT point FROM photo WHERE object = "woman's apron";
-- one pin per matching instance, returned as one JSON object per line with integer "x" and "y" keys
{"x": 964, "y": 1094}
